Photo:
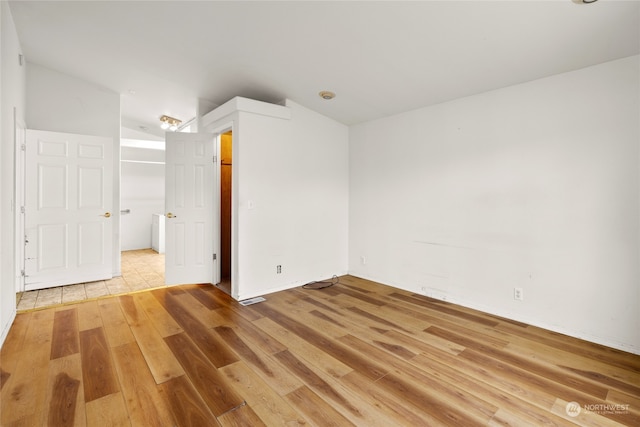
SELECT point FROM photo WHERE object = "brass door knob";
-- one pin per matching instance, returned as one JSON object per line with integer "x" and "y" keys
{"x": 107, "y": 214}
{"x": 170, "y": 215}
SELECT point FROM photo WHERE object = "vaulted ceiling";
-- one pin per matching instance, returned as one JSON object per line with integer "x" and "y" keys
{"x": 380, "y": 58}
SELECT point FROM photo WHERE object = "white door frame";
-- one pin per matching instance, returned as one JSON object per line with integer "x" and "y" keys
{"x": 217, "y": 132}
{"x": 19, "y": 168}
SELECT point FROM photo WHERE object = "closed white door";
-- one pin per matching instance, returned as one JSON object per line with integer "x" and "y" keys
{"x": 69, "y": 197}
{"x": 189, "y": 199}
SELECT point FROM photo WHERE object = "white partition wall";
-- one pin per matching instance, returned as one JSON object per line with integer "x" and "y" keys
{"x": 290, "y": 194}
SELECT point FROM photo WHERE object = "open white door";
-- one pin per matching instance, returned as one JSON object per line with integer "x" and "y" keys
{"x": 189, "y": 194}
{"x": 69, "y": 197}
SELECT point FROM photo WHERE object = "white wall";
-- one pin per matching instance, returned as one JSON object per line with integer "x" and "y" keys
{"x": 142, "y": 192}
{"x": 12, "y": 88}
{"x": 533, "y": 186}
{"x": 61, "y": 103}
{"x": 295, "y": 173}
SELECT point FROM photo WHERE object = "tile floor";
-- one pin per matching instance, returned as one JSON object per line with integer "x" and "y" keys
{"x": 141, "y": 269}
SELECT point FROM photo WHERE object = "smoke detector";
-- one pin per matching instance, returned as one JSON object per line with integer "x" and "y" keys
{"x": 325, "y": 94}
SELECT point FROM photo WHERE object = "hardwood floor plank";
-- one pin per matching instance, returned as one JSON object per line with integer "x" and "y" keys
{"x": 534, "y": 349}
{"x": 387, "y": 402}
{"x": 208, "y": 318}
{"x": 160, "y": 319}
{"x": 4, "y": 376}
{"x": 547, "y": 371}
{"x": 26, "y": 387}
{"x": 323, "y": 343}
{"x": 315, "y": 382}
{"x": 145, "y": 404}
{"x": 159, "y": 358}
{"x": 205, "y": 298}
{"x": 188, "y": 408}
{"x": 250, "y": 332}
{"x": 611, "y": 383}
{"x": 115, "y": 324}
{"x": 14, "y": 341}
{"x": 63, "y": 406}
{"x": 211, "y": 385}
{"x": 261, "y": 396}
{"x": 633, "y": 401}
{"x": 98, "y": 375}
{"x": 532, "y": 387}
{"x": 65, "y": 395}
{"x": 316, "y": 410}
{"x": 241, "y": 417}
{"x": 88, "y": 315}
{"x": 444, "y": 308}
{"x": 208, "y": 342}
{"x": 450, "y": 370}
{"x": 30, "y": 420}
{"x": 610, "y": 356}
{"x": 65, "y": 334}
{"x": 229, "y": 336}
{"x": 440, "y": 395}
{"x": 108, "y": 411}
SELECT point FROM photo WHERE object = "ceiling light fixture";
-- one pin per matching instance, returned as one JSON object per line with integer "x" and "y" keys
{"x": 584, "y": 1}
{"x": 325, "y": 94}
{"x": 170, "y": 123}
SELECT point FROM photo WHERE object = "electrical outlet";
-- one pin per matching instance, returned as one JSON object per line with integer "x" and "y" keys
{"x": 518, "y": 294}
{"x": 278, "y": 269}
{"x": 363, "y": 260}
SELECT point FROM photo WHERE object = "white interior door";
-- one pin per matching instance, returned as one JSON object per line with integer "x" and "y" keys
{"x": 189, "y": 199}
{"x": 69, "y": 197}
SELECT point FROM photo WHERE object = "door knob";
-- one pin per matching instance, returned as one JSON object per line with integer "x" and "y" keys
{"x": 106, "y": 214}
{"x": 170, "y": 215}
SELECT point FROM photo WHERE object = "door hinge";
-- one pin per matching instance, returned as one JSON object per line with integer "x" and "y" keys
{"x": 215, "y": 159}
{"x": 215, "y": 257}
{"x": 23, "y": 147}
{"x": 22, "y": 273}
{"x": 21, "y": 209}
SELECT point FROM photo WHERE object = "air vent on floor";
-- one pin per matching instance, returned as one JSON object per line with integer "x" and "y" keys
{"x": 252, "y": 301}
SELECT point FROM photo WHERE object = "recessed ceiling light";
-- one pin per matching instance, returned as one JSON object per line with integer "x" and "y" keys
{"x": 325, "y": 94}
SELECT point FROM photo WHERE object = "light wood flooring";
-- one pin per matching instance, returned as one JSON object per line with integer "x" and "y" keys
{"x": 358, "y": 353}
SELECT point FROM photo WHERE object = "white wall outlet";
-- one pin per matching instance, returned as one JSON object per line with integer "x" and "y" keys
{"x": 363, "y": 260}
{"x": 518, "y": 294}
{"x": 278, "y": 269}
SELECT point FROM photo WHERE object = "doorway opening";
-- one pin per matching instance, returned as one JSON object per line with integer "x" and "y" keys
{"x": 226, "y": 185}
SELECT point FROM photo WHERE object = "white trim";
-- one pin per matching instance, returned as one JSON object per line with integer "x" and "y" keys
{"x": 142, "y": 161}
{"x": 142, "y": 143}
{"x": 246, "y": 105}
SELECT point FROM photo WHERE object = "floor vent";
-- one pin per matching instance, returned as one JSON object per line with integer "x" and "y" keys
{"x": 252, "y": 301}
